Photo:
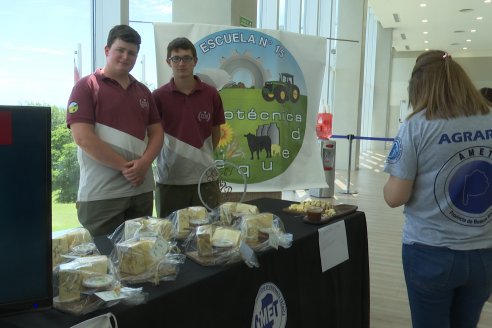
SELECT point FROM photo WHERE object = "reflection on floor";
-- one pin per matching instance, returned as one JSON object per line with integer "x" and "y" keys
{"x": 389, "y": 304}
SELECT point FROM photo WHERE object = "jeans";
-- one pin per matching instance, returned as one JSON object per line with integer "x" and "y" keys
{"x": 446, "y": 288}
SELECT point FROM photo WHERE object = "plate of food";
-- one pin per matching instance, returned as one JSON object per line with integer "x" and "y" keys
{"x": 301, "y": 208}
{"x": 338, "y": 211}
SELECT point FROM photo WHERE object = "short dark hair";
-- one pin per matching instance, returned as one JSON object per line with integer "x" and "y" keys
{"x": 181, "y": 43}
{"x": 125, "y": 33}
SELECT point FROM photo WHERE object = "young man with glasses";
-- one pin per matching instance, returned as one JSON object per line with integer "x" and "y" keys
{"x": 191, "y": 114}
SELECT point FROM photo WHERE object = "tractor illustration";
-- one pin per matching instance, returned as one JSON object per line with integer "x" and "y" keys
{"x": 282, "y": 90}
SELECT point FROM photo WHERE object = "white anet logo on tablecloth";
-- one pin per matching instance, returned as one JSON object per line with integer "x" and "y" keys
{"x": 270, "y": 308}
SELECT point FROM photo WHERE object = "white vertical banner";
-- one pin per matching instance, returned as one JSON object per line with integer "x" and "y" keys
{"x": 270, "y": 84}
{"x": 77, "y": 63}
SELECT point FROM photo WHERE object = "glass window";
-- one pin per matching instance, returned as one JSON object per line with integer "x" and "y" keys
{"x": 38, "y": 56}
{"x": 142, "y": 14}
{"x": 38, "y": 67}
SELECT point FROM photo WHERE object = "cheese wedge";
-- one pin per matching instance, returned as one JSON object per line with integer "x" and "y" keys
{"x": 229, "y": 210}
{"x": 252, "y": 223}
{"x": 204, "y": 240}
{"x": 185, "y": 215}
{"x": 72, "y": 274}
{"x": 226, "y": 236}
{"x": 62, "y": 244}
{"x": 134, "y": 256}
{"x": 146, "y": 226}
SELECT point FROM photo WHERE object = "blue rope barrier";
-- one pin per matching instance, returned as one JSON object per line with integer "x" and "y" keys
{"x": 351, "y": 136}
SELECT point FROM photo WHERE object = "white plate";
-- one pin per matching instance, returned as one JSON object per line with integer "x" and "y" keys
{"x": 98, "y": 281}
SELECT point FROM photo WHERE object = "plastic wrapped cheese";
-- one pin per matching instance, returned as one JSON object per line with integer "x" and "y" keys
{"x": 134, "y": 255}
{"x": 254, "y": 223}
{"x": 204, "y": 235}
{"x": 65, "y": 242}
{"x": 72, "y": 274}
{"x": 230, "y": 210}
{"x": 183, "y": 219}
{"x": 226, "y": 237}
{"x": 148, "y": 226}
{"x": 59, "y": 246}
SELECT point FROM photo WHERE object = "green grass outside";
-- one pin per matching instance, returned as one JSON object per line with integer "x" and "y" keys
{"x": 64, "y": 216}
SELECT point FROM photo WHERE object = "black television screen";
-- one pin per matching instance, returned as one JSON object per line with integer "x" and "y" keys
{"x": 25, "y": 209}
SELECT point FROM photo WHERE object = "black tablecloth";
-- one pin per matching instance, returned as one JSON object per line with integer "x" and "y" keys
{"x": 225, "y": 296}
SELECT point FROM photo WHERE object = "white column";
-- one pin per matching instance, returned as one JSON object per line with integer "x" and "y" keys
{"x": 381, "y": 109}
{"x": 347, "y": 105}
{"x": 105, "y": 14}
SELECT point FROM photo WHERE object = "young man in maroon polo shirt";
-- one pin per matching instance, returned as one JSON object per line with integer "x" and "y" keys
{"x": 191, "y": 113}
{"x": 117, "y": 129}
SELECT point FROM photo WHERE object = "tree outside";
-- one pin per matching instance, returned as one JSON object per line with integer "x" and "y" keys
{"x": 64, "y": 171}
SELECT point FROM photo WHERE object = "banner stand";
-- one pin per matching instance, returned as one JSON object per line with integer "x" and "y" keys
{"x": 350, "y": 137}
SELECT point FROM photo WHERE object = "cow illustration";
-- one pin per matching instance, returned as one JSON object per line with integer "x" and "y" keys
{"x": 258, "y": 143}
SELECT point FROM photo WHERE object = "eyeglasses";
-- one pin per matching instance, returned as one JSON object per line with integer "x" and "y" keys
{"x": 184, "y": 59}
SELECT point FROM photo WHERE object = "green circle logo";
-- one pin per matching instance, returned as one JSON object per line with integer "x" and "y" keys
{"x": 73, "y": 107}
{"x": 264, "y": 95}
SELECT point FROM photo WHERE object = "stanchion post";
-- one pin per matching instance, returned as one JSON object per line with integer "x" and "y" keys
{"x": 350, "y": 137}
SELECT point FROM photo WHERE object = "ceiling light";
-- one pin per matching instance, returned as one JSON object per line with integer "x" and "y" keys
{"x": 426, "y": 41}
{"x": 473, "y": 31}
{"x": 424, "y": 20}
{"x": 423, "y": 5}
{"x": 425, "y": 32}
{"x": 426, "y": 49}
{"x": 468, "y": 40}
{"x": 479, "y": 18}
{"x": 465, "y": 48}
{"x": 487, "y": 1}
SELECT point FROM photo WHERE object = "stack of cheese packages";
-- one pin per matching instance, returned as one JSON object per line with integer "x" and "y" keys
{"x": 218, "y": 240}
{"x": 236, "y": 231}
{"x": 145, "y": 251}
{"x": 80, "y": 272}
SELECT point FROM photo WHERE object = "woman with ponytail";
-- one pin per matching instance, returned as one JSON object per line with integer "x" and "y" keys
{"x": 440, "y": 169}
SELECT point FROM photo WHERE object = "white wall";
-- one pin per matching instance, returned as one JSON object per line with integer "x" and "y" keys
{"x": 478, "y": 68}
{"x": 348, "y": 97}
{"x": 381, "y": 87}
{"x": 218, "y": 12}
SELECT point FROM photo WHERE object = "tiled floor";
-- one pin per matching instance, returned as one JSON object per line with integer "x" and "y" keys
{"x": 389, "y": 304}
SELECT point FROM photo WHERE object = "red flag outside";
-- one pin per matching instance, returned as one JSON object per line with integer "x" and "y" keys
{"x": 5, "y": 128}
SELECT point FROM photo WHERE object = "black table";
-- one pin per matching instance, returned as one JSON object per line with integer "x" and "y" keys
{"x": 225, "y": 296}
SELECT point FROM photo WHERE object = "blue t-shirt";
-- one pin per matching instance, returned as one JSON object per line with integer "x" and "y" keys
{"x": 450, "y": 161}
